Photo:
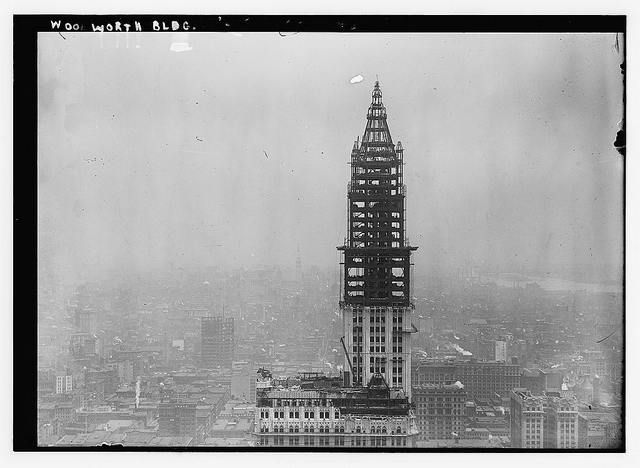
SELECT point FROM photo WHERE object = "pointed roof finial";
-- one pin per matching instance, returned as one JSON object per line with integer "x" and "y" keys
{"x": 376, "y": 95}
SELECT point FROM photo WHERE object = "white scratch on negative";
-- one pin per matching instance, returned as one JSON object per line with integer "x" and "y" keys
{"x": 180, "y": 47}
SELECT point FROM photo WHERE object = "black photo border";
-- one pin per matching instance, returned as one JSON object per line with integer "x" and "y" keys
{"x": 25, "y": 122}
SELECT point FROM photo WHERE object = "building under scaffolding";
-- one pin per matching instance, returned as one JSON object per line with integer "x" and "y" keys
{"x": 369, "y": 405}
{"x": 376, "y": 299}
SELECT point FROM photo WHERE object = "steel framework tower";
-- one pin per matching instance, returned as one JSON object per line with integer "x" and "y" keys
{"x": 375, "y": 298}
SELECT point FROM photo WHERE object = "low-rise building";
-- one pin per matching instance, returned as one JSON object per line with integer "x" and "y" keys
{"x": 481, "y": 379}
{"x": 439, "y": 410}
{"x": 527, "y": 420}
{"x": 561, "y": 429}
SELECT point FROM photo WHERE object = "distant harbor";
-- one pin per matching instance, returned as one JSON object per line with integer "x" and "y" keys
{"x": 553, "y": 284}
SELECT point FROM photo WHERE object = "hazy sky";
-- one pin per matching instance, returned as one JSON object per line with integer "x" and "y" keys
{"x": 235, "y": 152}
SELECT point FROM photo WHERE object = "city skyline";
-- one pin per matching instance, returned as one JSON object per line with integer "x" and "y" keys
{"x": 193, "y": 189}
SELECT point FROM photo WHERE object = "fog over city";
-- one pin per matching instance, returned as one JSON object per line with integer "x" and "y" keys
{"x": 389, "y": 241}
{"x": 233, "y": 152}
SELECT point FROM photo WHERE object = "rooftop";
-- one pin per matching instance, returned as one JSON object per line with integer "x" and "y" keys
{"x": 233, "y": 425}
{"x": 376, "y": 398}
{"x": 457, "y": 386}
{"x": 228, "y": 442}
{"x": 131, "y": 439}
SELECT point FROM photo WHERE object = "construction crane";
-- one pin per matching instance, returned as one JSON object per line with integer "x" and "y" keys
{"x": 346, "y": 353}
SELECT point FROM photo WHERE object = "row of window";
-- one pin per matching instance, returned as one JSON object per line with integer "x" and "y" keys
{"x": 280, "y": 428}
{"x": 320, "y": 402}
{"x": 433, "y": 412}
{"x": 309, "y": 429}
{"x": 374, "y": 170}
{"x": 377, "y": 349}
{"x": 420, "y": 399}
{"x": 369, "y": 181}
{"x": 357, "y": 317}
{"x": 397, "y": 311}
{"x": 309, "y": 441}
{"x": 264, "y": 414}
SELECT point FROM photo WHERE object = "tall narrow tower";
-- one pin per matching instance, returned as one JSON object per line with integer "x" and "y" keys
{"x": 375, "y": 299}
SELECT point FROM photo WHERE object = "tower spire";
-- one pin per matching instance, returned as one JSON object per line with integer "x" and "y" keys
{"x": 376, "y": 131}
{"x": 375, "y": 298}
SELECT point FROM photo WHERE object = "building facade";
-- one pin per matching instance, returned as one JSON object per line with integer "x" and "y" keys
{"x": 318, "y": 411}
{"x": 545, "y": 421}
{"x": 527, "y": 420}
{"x": 177, "y": 418}
{"x": 217, "y": 342}
{"x": 501, "y": 351}
{"x": 64, "y": 384}
{"x": 376, "y": 296}
{"x": 440, "y": 410}
{"x": 481, "y": 379}
{"x": 562, "y": 423}
{"x": 599, "y": 430}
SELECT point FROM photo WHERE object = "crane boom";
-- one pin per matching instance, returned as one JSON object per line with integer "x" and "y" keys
{"x": 346, "y": 353}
